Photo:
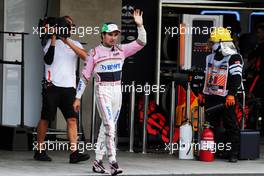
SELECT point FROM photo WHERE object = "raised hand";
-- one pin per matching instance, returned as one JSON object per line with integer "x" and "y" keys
{"x": 138, "y": 17}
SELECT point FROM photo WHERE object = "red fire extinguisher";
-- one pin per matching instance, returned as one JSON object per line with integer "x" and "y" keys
{"x": 207, "y": 145}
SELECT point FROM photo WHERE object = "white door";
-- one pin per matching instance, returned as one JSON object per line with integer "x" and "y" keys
{"x": 196, "y": 33}
{"x": 14, "y": 14}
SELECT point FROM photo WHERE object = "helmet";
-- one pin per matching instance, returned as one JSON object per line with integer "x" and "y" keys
{"x": 220, "y": 34}
{"x": 109, "y": 27}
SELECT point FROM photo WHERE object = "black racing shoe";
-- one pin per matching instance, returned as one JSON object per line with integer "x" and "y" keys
{"x": 42, "y": 156}
{"x": 233, "y": 158}
{"x": 76, "y": 157}
{"x": 98, "y": 167}
{"x": 115, "y": 168}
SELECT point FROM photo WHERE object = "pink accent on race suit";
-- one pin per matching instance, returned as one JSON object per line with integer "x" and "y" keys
{"x": 109, "y": 142}
{"x": 101, "y": 54}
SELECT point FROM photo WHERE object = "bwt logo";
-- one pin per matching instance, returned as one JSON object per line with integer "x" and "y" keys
{"x": 111, "y": 67}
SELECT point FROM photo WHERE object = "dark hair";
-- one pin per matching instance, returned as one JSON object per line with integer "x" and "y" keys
{"x": 103, "y": 33}
{"x": 70, "y": 18}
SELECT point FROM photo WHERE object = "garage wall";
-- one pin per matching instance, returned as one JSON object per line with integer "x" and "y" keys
{"x": 85, "y": 13}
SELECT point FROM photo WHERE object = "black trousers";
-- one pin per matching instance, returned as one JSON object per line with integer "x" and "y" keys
{"x": 223, "y": 117}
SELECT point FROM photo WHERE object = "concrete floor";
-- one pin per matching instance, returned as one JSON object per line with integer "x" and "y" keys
{"x": 15, "y": 163}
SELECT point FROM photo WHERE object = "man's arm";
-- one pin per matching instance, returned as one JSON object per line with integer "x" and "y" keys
{"x": 86, "y": 75}
{"x": 79, "y": 51}
{"x": 142, "y": 35}
{"x": 235, "y": 72}
{"x": 49, "y": 53}
{"x": 135, "y": 46}
{"x": 81, "y": 87}
{"x": 80, "y": 90}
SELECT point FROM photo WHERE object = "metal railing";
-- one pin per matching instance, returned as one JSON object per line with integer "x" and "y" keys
{"x": 144, "y": 143}
{"x": 172, "y": 115}
{"x": 132, "y": 118}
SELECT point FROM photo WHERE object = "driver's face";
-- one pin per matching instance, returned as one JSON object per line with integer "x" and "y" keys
{"x": 110, "y": 39}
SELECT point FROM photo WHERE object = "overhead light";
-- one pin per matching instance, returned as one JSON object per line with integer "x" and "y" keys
{"x": 204, "y": 12}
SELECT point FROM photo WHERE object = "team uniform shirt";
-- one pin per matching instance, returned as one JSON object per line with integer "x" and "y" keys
{"x": 62, "y": 70}
{"x": 106, "y": 63}
{"x": 223, "y": 76}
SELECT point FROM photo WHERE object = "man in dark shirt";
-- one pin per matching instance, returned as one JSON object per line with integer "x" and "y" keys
{"x": 222, "y": 80}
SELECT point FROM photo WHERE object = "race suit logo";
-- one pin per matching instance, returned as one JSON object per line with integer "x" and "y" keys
{"x": 111, "y": 67}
